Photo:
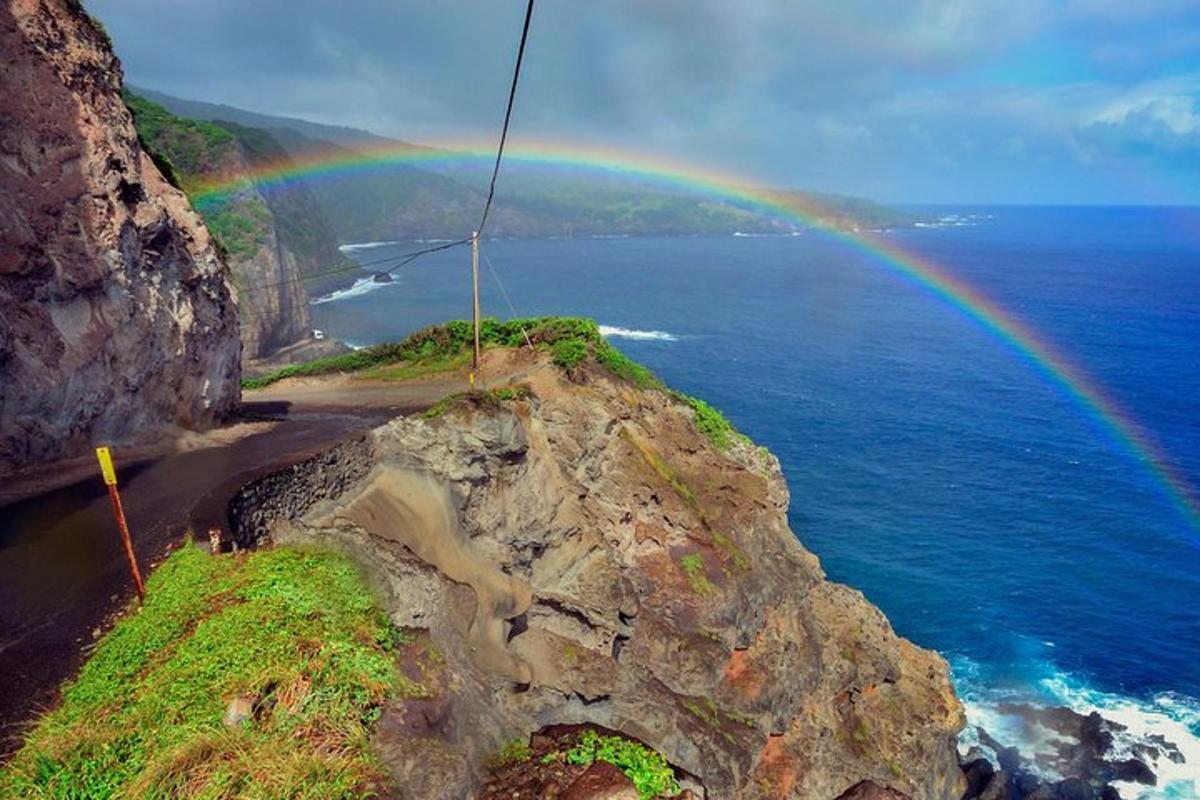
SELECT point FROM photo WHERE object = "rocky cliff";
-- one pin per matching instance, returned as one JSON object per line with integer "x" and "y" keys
{"x": 277, "y": 242}
{"x": 115, "y": 314}
{"x": 577, "y": 551}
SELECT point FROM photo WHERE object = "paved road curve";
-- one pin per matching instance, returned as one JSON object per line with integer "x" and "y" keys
{"x": 62, "y": 570}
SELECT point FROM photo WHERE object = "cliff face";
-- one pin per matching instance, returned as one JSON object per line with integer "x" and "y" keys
{"x": 276, "y": 241}
{"x": 115, "y": 314}
{"x": 583, "y": 554}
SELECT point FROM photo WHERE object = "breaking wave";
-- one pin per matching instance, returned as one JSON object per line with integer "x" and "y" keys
{"x": 614, "y": 332}
{"x": 361, "y": 286}
{"x": 1172, "y": 716}
{"x": 346, "y": 248}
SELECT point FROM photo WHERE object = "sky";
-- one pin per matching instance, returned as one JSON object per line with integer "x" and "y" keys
{"x": 902, "y": 101}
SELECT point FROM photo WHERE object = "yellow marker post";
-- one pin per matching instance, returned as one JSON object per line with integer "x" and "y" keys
{"x": 109, "y": 472}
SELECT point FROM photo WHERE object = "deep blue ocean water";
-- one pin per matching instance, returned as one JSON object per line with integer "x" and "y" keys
{"x": 931, "y": 466}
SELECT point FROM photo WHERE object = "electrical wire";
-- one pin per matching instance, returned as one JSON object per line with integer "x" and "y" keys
{"x": 504, "y": 293}
{"x": 512, "y": 96}
{"x": 404, "y": 259}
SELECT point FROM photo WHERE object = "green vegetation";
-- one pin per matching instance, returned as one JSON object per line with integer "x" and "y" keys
{"x": 692, "y": 565}
{"x": 569, "y": 340}
{"x": 648, "y": 770}
{"x": 242, "y": 226}
{"x": 707, "y": 712}
{"x": 297, "y": 633}
{"x": 441, "y": 347}
{"x": 711, "y": 423}
{"x": 665, "y": 471}
{"x": 726, "y": 545}
{"x": 194, "y": 155}
{"x": 189, "y": 153}
{"x": 410, "y": 370}
{"x": 489, "y": 399}
{"x": 514, "y": 751}
{"x": 192, "y": 147}
{"x": 568, "y": 353}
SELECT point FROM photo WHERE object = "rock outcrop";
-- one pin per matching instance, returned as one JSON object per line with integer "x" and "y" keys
{"x": 277, "y": 241}
{"x": 580, "y": 554}
{"x": 115, "y": 315}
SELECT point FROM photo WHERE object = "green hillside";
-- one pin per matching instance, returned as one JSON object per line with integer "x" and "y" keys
{"x": 192, "y": 153}
{"x": 443, "y": 200}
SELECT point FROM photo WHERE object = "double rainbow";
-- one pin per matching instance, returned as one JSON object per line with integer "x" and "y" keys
{"x": 1035, "y": 350}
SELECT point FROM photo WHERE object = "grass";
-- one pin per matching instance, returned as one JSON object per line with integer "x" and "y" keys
{"x": 692, "y": 565}
{"x": 664, "y": 471}
{"x": 410, "y": 370}
{"x": 439, "y": 348}
{"x": 705, "y": 710}
{"x": 297, "y": 631}
{"x": 649, "y": 771}
{"x": 489, "y": 399}
{"x": 514, "y": 751}
{"x": 711, "y": 422}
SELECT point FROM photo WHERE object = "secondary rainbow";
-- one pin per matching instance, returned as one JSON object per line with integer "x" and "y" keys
{"x": 919, "y": 271}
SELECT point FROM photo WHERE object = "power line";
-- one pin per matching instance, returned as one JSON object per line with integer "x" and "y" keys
{"x": 401, "y": 258}
{"x": 404, "y": 259}
{"x": 512, "y": 96}
{"x": 504, "y": 292}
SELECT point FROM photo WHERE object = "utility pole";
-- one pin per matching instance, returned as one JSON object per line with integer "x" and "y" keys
{"x": 475, "y": 297}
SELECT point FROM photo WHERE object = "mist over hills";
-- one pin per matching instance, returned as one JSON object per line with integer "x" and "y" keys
{"x": 442, "y": 199}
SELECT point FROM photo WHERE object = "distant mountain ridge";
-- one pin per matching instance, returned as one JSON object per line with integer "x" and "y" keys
{"x": 402, "y": 201}
{"x": 199, "y": 109}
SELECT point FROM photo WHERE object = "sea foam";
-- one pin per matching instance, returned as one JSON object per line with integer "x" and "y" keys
{"x": 345, "y": 248}
{"x": 361, "y": 286}
{"x": 1173, "y": 716}
{"x": 614, "y": 332}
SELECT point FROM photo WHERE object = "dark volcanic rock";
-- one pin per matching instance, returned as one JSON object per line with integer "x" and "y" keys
{"x": 116, "y": 320}
{"x": 1081, "y": 747}
{"x": 997, "y": 788}
{"x": 1074, "y": 789}
{"x": 978, "y": 772}
{"x": 869, "y": 790}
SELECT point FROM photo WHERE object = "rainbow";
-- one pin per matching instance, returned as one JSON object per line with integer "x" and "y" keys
{"x": 919, "y": 271}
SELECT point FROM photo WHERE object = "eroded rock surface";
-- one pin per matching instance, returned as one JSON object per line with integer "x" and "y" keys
{"x": 115, "y": 315}
{"x": 585, "y": 556}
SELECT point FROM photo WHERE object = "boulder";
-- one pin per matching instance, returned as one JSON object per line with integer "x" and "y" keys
{"x": 601, "y": 781}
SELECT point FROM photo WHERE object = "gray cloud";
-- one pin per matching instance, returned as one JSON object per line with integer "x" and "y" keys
{"x": 924, "y": 100}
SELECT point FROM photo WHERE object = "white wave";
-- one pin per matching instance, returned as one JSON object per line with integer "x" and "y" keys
{"x": 365, "y": 245}
{"x": 611, "y": 332}
{"x": 1175, "y": 717}
{"x": 745, "y": 235}
{"x": 361, "y": 286}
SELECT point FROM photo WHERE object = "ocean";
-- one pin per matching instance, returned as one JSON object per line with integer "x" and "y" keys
{"x": 986, "y": 510}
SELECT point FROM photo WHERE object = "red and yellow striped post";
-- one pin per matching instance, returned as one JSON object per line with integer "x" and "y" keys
{"x": 110, "y": 480}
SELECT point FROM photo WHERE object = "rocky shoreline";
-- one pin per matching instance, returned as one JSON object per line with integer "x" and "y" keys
{"x": 1080, "y": 757}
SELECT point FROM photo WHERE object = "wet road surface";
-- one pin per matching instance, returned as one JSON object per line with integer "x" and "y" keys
{"x": 62, "y": 568}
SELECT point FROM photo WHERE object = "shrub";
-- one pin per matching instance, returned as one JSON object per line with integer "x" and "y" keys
{"x": 649, "y": 771}
{"x": 568, "y": 353}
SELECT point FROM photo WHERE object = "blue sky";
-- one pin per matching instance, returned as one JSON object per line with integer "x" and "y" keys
{"x": 1034, "y": 101}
